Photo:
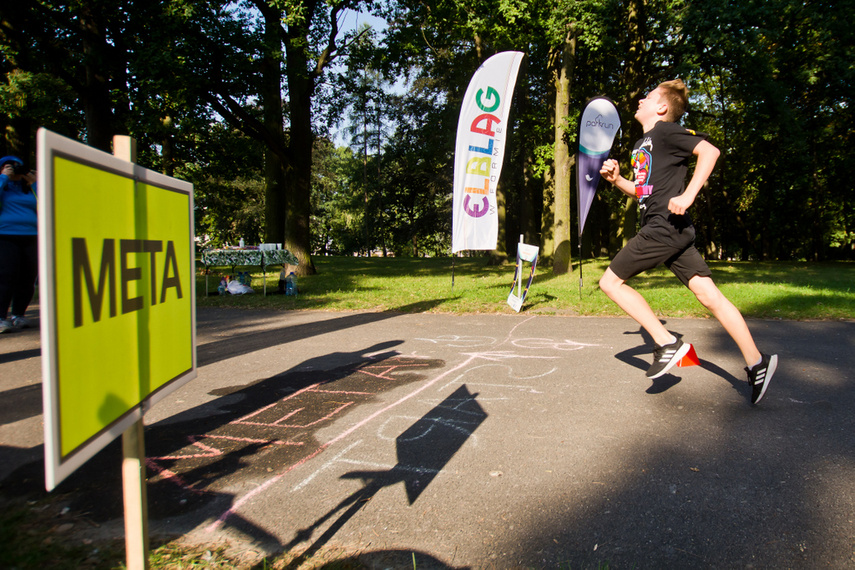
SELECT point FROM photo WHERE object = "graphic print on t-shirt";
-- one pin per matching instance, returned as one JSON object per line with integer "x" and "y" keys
{"x": 642, "y": 165}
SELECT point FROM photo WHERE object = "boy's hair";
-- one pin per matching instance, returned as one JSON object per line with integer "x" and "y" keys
{"x": 676, "y": 94}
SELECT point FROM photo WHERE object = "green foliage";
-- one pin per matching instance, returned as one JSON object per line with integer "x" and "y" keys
{"x": 775, "y": 81}
{"x": 338, "y": 210}
{"x": 40, "y": 98}
{"x": 228, "y": 187}
{"x": 772, "y": 84}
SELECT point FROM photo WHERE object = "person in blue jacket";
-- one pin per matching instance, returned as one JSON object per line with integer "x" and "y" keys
{"x": 19, "y": 262}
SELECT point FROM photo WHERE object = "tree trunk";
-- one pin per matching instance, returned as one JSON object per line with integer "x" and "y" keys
{"x": 547, "y": 216}
{"x": 275, "y": 191}
{"x": 528, "y": 207}
{"x": 167, "y": 155}
{"x": 380, "y": 196}
{"x": 366, "y": 197}
{"x": 563, "y": 163}
{"x": 271, "y": 102}
{"x": 299, "y": 185}
{"x": 299, "y": 180}
{"x": 97, "y": 106}
{"x": 636, "y": 79}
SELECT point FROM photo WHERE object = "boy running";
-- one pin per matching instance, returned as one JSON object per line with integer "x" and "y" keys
{"x": 660, "y": 162}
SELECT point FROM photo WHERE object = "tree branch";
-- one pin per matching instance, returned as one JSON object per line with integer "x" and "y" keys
{"x": 237, "y": 116}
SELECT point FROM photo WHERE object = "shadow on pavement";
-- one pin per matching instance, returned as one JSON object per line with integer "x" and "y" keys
{"x": 20, "y": 355}
{"x": 423, "y": 450}
{"x": 697, "y": 484}
{"x": 664, "y": 383}
{"x": 387, "y": 559}
{"x": 20, "y": 403}
{"x": 244, "y": 436}
{"x": 242, "y": 342}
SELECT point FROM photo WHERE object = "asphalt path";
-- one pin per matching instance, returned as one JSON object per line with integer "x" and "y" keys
{"x": 481, "y": 441}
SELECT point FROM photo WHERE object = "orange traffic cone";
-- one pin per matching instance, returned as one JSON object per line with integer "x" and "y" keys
{"x": 691, "y": 358}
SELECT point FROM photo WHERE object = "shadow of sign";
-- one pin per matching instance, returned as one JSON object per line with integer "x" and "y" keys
{"x": 423, "y": 451}
{"x": 243, "y": 437}
{"x": 430, "y": 443}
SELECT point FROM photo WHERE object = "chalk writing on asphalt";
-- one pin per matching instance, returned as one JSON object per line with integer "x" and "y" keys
{"x": 262, "y": 431}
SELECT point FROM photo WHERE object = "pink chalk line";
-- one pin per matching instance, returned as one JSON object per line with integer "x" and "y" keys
{"x": 176, "y": 479}
{"x": 387, "y": 369}
{"x": 282, "y": 419}
{"x": 214, "y": 452}
{"x": 267, "y": 407}
{"x": 172, "y": 476}
{"x": 511, "y": 333}
{"x": 240, "y": 502}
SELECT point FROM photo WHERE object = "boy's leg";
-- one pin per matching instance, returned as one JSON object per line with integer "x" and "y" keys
{"x": 669, "y": 349}
{"x": 634, "y": 305}
{"x": 760, "y": 367}
{"x": 727, "y": 314}
{"x": 694, "y": 272}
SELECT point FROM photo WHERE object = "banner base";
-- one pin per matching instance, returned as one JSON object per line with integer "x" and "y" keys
{"x": 528, "y": 253}
{"x": 515, "y": 302}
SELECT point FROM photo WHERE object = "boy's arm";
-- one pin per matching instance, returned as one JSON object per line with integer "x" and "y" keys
{"x": 707, "y": 156}
{"x": 611, "y": 173}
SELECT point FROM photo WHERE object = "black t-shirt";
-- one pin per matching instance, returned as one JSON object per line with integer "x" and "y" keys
{"x": 660, "y": 161}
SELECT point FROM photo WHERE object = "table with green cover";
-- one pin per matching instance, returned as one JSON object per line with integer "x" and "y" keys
{"x": 240, "y": 257}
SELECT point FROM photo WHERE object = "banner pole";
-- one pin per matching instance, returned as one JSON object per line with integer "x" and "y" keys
{"x": 519, "y": 265}
{"x": 133, "y": 447}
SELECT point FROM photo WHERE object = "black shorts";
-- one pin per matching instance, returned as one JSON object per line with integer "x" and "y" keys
{"x": 643, "y": 253}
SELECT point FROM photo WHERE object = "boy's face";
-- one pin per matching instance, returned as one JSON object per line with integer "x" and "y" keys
{"x": 651, "y": 106}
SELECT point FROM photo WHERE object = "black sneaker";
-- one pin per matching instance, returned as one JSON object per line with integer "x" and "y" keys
{"x": 665, "y": 357}
{"x": 760, "y": 375}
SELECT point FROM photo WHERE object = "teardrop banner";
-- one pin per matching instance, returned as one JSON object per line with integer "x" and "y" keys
{"x": 482, "y": 131}
{"x": 598, "y": 127}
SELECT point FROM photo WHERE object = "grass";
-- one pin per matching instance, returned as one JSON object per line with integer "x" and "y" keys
{"x": 772, "y": 290}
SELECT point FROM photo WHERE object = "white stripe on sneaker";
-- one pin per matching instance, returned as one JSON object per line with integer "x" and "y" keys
{"x": 671, "y": 357}
{"x": 666, "y": 356}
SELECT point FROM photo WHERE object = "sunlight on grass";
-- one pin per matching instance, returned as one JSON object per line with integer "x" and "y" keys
{"x": 760, "y": 290}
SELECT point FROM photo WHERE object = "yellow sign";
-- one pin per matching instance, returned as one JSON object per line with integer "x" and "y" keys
{"x": 118, "y": 269}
